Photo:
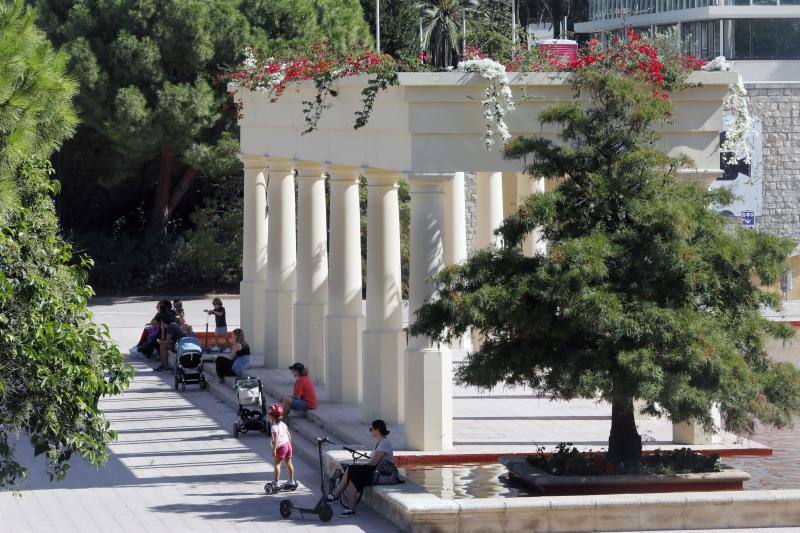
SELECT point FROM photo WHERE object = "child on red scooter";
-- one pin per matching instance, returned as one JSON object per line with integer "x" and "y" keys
{"x": 281, "y": 446}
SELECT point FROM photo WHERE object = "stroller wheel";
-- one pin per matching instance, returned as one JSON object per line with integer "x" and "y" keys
{"x": 268, "y": 488}
{"x": 286, "y": 508}
{"x": 176, "y": 381}
{"x": 203, "y": 385}
{"x": 236, "y": 429}
{"x": 183, "y": 387}
{"x": 325, "y": 512}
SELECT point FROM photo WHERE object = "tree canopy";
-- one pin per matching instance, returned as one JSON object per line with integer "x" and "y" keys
{"x": 148, "y": 74}
{"x": 55, "y": 363}
{"x": 644, "y": 292}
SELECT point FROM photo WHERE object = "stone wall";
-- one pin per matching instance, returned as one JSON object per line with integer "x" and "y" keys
{"x": 778, "y": 105}
{"x": 470, "y": 190}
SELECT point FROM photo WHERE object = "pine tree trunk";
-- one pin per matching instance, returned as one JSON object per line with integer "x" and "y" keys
{"x": 624, "y": 442}
{"x": 158, "y": 217}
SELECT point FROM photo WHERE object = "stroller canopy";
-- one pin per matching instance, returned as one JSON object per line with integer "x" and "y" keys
{"x": 189, "y": 345}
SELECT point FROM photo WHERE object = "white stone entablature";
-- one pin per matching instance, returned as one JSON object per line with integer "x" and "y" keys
{"x": 303, "y": 301}
{"x": 433, "y": 122}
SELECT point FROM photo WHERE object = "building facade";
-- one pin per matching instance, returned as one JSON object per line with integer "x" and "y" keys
{"x": 761, "y": 38}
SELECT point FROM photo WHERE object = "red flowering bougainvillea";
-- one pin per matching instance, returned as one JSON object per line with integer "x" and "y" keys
{"x": 631, "y": 54}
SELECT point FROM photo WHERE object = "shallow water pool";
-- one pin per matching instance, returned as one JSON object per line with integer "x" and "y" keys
{"x": 468, "y": 480}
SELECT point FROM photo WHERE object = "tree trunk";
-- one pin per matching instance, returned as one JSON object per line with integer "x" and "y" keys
{"x": 624, "y": 442}
{"x": 556, "y": 12}
{"x": 158, "y": 217}
{"x": 178, "y": 192}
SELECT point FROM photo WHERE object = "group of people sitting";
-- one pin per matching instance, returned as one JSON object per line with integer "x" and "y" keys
{"x": 169, "y": 326}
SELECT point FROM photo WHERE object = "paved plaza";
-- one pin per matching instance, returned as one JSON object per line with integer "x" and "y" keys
{"x": 176, "y": 466}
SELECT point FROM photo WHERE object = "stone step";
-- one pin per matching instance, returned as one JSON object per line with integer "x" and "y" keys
{"x": 304, "y": 432}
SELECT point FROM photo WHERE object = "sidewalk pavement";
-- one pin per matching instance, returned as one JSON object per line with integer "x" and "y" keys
{"x": 175, "y": 467}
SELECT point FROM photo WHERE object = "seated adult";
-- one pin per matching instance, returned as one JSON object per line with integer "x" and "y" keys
{"x": 170, "y": 334}
{"x": 303, "y": 397}
{"x": 147, "y": 342}
{"x": 237, "y": 360}
{"x": 358, "y": 476}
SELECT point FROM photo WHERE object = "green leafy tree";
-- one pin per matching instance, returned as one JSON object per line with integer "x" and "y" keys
{"x": 644, "y": 293}
{"x": 55, "y": 363}
{"x": 442, "y": 24}
{"x": 399, "y": 26}
{"x": 147, "y": 72}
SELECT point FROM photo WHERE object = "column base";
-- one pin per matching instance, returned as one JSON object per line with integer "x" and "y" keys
{"x": 252, "y": 310}
{"x": 429, "y": 399}
{"x": 279, "y": 342}
{"x": 384, "y": 370}
{"x": 343, "y": 337}
{"x": 309, "y": 338}
{"x": 692, "y": 432}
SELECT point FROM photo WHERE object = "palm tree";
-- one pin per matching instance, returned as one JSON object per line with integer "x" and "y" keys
{"x": 441, "y": 25}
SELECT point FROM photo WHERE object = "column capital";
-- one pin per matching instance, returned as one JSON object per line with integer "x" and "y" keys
{"x": 428, "y": 181}
{"x": 307, "y": 169}
{"x": 280, "y": 164}
{"x": 252, "y": 161}
{"x": 342, "y": 173}
{"x": 381, "y": 177}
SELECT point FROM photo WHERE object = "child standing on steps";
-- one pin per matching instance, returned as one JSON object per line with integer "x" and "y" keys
{"x": 281, "y": 444}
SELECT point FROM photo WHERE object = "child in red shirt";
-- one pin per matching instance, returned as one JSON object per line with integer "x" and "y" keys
{"x": 304, "y": 397}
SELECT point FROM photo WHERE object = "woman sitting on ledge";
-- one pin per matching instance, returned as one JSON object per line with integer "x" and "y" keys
{"x": 358, "y": 476}
{"x": 235, "y": 362}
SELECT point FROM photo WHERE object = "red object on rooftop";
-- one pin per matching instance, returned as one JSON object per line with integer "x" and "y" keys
{"x": 565, "y": 48}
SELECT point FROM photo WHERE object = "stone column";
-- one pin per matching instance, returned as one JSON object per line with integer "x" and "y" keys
{"x": 693, "y": 432}
{"x": 312, "y": 269}
{"x": 526, "y": 186}
{"x": 344, "y": 323}
{"x": 252, "y": 300}
{"x": 429, "y": 381}
{"x": 455, "y": 216}
{"x": 490, "y": 208}
{"x": 384, "y": 340}
{"x": 281, "y": 265}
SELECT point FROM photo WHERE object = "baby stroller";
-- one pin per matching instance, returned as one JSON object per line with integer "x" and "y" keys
{"x": 252, "y": 409}
{"x": 189, "y": 363}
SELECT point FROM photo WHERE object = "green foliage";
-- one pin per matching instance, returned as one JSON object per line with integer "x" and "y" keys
{"x": 399, "y": 26}
{"x": 567, "y": 460}
{"x": 442, "y": 26}
{"x": 55, "y": 362}
{"x": 36, "y": 114}
{"x": 281, "y": 27}
{"x": 644, "y": 292}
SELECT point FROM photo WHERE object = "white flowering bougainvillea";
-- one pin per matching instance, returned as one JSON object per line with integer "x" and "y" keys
{"x": 498, "y": 100}
{"x": 735, "y": 146}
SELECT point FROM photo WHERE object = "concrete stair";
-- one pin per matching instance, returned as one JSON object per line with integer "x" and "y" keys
{"x": 304, "y": 431}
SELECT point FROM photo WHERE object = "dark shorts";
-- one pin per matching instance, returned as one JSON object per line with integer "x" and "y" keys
{"x": 361, "y": 475}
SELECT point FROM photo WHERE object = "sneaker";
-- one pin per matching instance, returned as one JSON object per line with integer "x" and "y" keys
{"x": 134, "y": 352}
{"x": 330, "y": 498}
{"x": 347, "y": 512}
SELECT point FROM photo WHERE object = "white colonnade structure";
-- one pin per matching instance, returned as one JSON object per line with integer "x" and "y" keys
{"x": 302, "y": 273}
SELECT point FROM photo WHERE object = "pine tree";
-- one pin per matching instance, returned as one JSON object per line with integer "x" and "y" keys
{"x": 644, "y": 292}
{"x": 148, "y": 73}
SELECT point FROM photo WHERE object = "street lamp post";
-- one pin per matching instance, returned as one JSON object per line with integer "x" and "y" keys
{"x": 378, "y": 25}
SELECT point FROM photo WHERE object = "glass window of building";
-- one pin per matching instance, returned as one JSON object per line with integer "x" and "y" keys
{"x": 762, "y": 38}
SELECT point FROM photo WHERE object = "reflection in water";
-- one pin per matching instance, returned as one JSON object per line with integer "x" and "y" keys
{"x": 469, "y": 480}
{"x": 782, "y": 470}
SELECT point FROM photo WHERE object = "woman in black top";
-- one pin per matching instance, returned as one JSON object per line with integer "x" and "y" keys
{"x": 238, "y": 360}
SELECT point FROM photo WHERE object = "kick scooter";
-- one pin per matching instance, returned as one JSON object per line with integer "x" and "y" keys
{"x": 322, "y": 508}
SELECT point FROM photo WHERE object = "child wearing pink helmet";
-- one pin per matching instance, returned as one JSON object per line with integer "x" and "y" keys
{"x": 281, "y": 443}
